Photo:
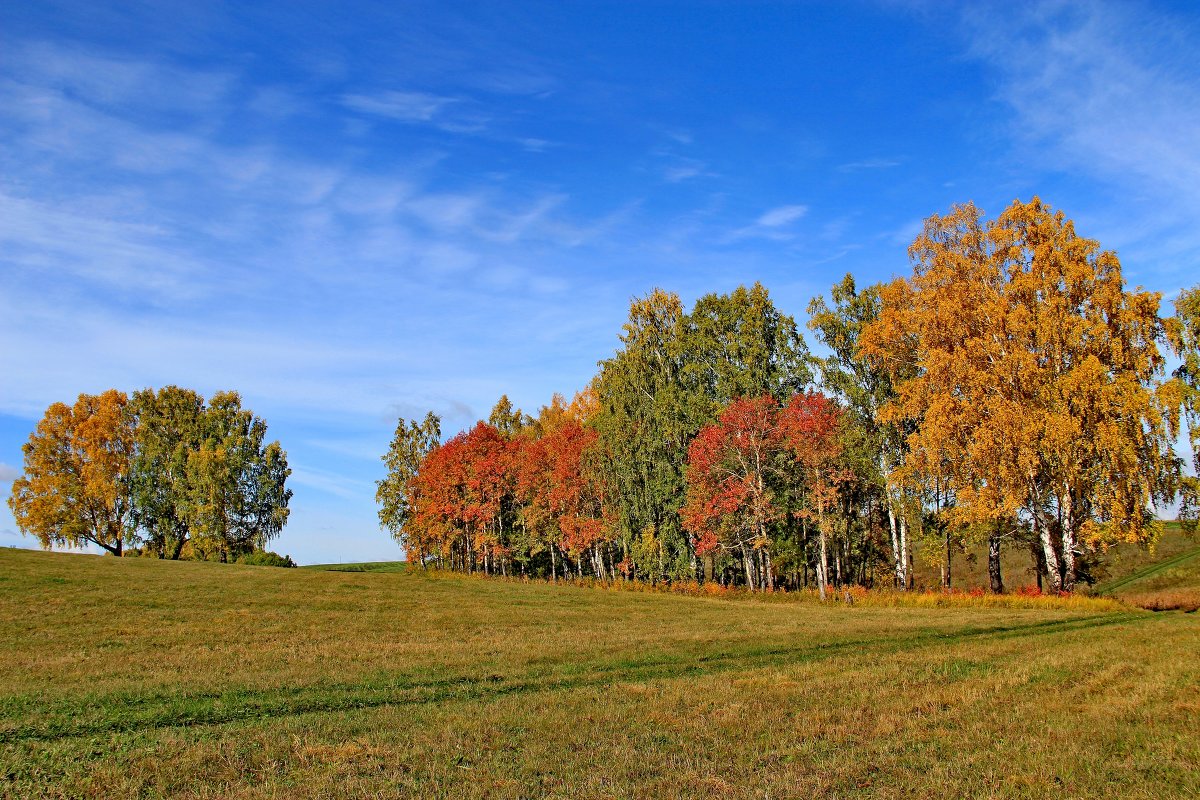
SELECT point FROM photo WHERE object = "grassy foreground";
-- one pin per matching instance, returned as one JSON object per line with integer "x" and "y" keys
{"x": 138, "y": 678}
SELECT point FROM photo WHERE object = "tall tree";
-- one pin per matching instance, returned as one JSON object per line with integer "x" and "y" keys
{"x": 1036, "y": 392}
{"x": 875, "y": 447}
{"x": 740, "y": 345}
{"x": 644, "y": 435}
{"x": 1185, "y": 337}
{"x": 410, "y": 444}
{"x": 74, "y": 489}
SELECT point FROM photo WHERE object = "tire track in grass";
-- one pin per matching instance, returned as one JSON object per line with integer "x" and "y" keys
{"x": 130, "y": 714}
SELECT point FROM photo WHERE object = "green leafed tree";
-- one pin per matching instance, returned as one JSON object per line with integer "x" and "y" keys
{"x": 411, "y": 442}
{"x": 508, "y": 419}
{"x": 236, "y": 499}
{"x": 873, "y": 448}
{"x": 643, "y": 436}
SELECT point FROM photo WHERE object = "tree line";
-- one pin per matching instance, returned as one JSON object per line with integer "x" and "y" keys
{"x": 1011, "y": 391}
{"x": 163, "y": 473}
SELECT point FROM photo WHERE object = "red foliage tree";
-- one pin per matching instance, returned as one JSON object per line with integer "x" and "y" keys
{"x": 809, "y": 426}
{"x": 734, "y": 467}
{"x": 459, "y": 498}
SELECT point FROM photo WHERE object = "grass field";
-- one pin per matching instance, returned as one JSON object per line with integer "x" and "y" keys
{"x": 138, "y": 678}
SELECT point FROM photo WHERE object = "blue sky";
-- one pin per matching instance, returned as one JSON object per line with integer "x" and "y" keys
{"x": 354, "y": 211}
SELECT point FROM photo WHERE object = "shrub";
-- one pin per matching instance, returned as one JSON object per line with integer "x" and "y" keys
{"x": 266, "y": 558}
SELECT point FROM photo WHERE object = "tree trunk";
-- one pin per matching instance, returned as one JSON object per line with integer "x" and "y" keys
{"x": 897, "y": 552}
{"x": 749, "y": 567}
{"x": 994, "y": 576}
{"x": 1048, "y": 553}
{"x": 949, "y": 575}
{"x": 822, "y": 562}
{"x": 1068, "y": 544}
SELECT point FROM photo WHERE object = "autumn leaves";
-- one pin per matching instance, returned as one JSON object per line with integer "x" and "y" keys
{"x": 1012, "y": 389}
{"x": 1029, "y": 376}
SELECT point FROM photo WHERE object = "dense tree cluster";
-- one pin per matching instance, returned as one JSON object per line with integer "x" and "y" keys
{"x": 163, "y": 474}
{"x": 1011, "y": 390}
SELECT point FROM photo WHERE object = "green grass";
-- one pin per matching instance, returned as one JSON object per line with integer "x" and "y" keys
{"x": 362, "y": 566}
{"x": 138, "y": 678}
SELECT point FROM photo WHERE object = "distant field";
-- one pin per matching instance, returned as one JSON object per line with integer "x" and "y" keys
{"x": 362, "y": 566}
{"x": 139, "y": 678}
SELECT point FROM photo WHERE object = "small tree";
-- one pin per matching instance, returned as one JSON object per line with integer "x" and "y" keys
{"x": 734, "y": 467}
{"x": 809, "y": 426}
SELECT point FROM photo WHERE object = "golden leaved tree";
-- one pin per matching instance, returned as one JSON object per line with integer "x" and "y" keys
{"x": 1034, "y": 381}
{"x": 74, "y": 489}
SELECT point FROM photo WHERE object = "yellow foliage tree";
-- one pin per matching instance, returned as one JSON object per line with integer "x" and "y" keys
{"x": 74, "y": 489}
{"x": 1034, "y": 386}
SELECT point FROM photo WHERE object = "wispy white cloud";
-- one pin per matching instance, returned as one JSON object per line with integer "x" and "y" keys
{"x": 869, "y": 163}
{"x": 783, "y": 215}
{"x": 458, "y": 115}
{"x": 8, "y": 474}
{"x": 683, "y": 169}
{"x": 331, "y": 482}
{"x": 402, "y": 106}
{"x": 774, "y": 224}
{"x": 906, "y": 233}
{"x": 1107, "y": 91}
{"x": 115, "y": 83}
{"x": 534, "y": 145}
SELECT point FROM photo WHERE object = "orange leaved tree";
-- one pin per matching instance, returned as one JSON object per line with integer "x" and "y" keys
{"x": 74, "y": 490}
{"x": 1030, "y": 376}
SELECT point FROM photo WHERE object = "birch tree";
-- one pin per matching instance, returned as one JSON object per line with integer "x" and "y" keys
{"x": 865, "y": 388}
{"x": 1037, "y": 388}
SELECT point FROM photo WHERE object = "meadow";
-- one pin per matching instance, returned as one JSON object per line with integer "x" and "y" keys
{"x": 145, "y": 678}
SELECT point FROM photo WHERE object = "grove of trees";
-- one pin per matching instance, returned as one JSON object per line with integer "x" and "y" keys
{"x": 1012, "y": 391}
{"x": 162, "y": 473}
